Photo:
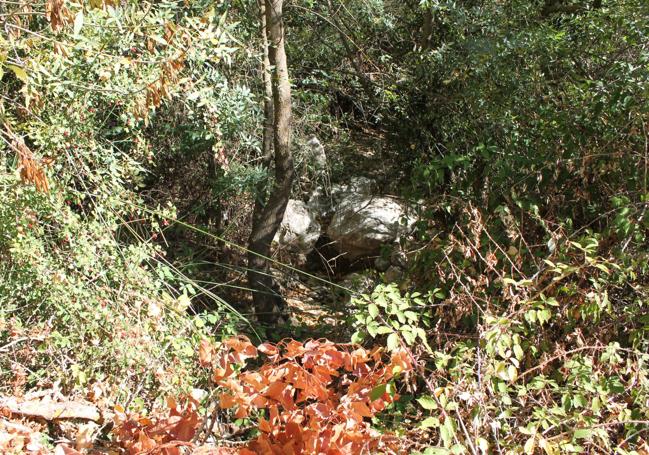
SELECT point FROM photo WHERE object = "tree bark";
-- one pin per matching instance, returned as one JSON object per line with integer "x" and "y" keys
{"x": 267, "y": 140}
{"x": 268, "y": 217}
{"x": 427, "y": 31}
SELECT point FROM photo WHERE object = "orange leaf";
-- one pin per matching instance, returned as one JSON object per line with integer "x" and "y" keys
{"x": 219, "y": 374}
{"x": 362, "y": 409}
{"x": 268, "y": 349}
{"x": 242, "y": 412}
{"x": 264, "y": 425}
{"x": 205, "y": 353}
{"x": 226, "y": 401}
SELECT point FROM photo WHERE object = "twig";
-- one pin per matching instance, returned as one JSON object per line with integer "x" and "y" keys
{"x": 6, "y": 347}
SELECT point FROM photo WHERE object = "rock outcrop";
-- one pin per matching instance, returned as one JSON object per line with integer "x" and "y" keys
{"x": 299, "y": 230}
{"x": 362, "y": 223}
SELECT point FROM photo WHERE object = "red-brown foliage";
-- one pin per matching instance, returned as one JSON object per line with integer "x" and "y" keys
{"x": 160, "y": 436}
{"x": 309, "y": 398}
{"x": 317, "y": 396}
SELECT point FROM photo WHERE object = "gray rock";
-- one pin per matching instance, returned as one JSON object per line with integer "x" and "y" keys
{"x": 299, "y": 230}
{"x": 323, "y": 201}
{"x": 356, "y": 185}
{"x": 362, "y": 223}
{"x": 317, "y": 154}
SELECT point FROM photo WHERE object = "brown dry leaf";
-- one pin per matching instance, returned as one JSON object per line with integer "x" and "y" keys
{"x": 57, "y": 13}
{"x": 205, "y": 353}
{"x": 85, "y": 436}
{"x": 31, "y": 170}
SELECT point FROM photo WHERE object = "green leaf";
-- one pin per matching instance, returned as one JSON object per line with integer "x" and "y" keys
{"x": 408, "y": 335}
{"x": 393, "y": 341}
{"x": 447, "y": 432}
{"x": 427, "y": 402}
{"x": 583, "y": 433}
{"x": 518, "y": 352}
{"x": 430, "y": 422}
{"x": 603, "y": 268}
{"x": 384, "y": 330}
{"x": 377, "y": 392}
{"x": 411, "y": 315}
{"x": 373, "y": 310}
{"x": 483, "y": 445}
{"x": 512, "y": 373}
{"x": 19, "y": 72}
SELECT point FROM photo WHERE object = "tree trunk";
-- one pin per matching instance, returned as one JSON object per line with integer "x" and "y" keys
{"x": 427, "y": 31}
{"x": 268, "y": 216}
{"x": 267, "y": 140}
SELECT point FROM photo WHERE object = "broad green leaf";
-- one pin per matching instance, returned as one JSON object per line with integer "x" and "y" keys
{"x": 447, "y": 432}
{"x": 377, "y": 392}
{"x": 427, "y": 402}
{"x": 512, "y": 372}
{"x": 373, "y": 310}
{"x": 518, "y": 352}
{"x": 583, "y": 433}
{"x": 393, "y": 341}
{"x": 430, "y": 422}
{"x": 384, "y": 330}
{"x": 19, "y": 72}
{"x": 411, "y": 315}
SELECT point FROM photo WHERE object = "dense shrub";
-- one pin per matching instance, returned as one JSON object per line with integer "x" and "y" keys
{"x": 86, "y": 292}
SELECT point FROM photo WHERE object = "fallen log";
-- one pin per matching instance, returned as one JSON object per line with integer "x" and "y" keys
{"x": 50, "y": 410}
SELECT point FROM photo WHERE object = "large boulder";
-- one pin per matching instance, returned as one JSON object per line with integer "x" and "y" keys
{"x": 362, "y": 224}
{"x": 299, "y": 230}
{"x": 323, "y": 202}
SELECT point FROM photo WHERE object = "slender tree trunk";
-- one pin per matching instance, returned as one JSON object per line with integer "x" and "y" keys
{"x": 426, "y": 31}
{"x": 268, "y": 217}
{"x": 267, "y": 140}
